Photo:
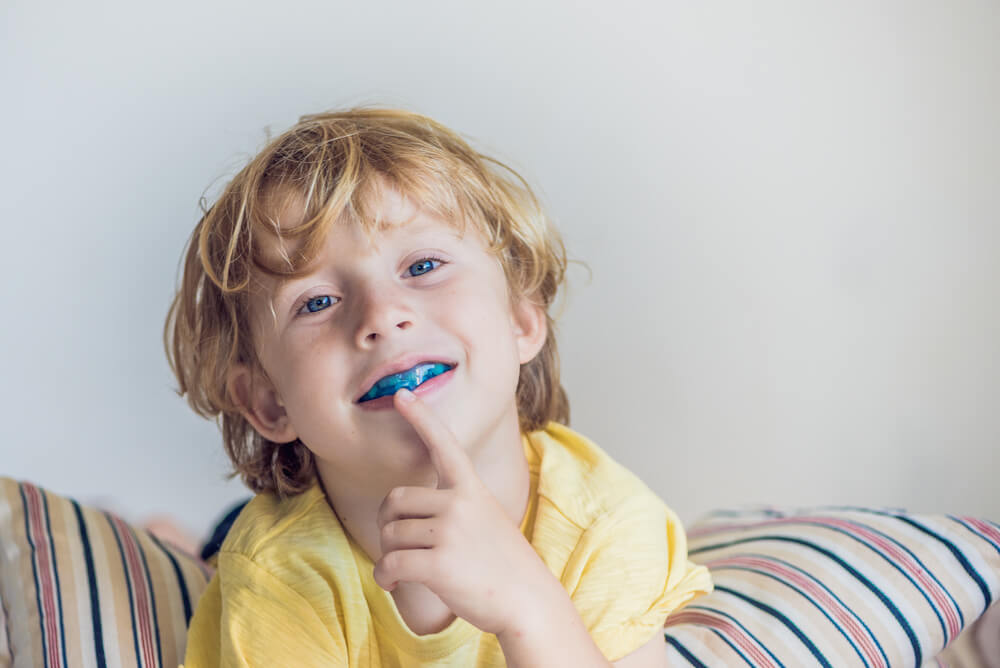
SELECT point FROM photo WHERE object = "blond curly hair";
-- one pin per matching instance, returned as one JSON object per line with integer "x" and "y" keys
{"x": 333, "y": 163}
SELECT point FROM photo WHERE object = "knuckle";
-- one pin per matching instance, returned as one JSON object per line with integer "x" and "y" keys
{"x": 386, "y": 509}
{"x": 388, "y": 531}
{"x": 389, "y": 563}
{"x": 385, "y": 565}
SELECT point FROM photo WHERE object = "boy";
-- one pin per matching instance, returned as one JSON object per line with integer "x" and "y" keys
{"x": 361, "y": 255}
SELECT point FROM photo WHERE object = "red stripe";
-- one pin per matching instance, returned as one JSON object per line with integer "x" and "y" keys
{"x": 932, "y": 587}
{"x": 46, "y": 574}
{"x": 916, "y": 569}
{"x": 984, "y": 528}
{"x": 827, "y": 601}
{"x": 748, "y": 644}
{"x": 142, "y": 604}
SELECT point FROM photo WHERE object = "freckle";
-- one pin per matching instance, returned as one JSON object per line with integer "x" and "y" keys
{"x": 489, "y": 592}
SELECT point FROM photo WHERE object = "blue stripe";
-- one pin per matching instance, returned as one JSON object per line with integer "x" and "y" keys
{"x": 805, "y": 596}
{"x": 784, "y": 620}
{"x": 979, "y": 534}
{"x": 684, "y": 653}
{"x": 95, "y": 604}
{"x": 731, "y": 646}
{"x": 895, "y": 564}
{"x": 934, "y": 607}
{"x": 131, "y": 596}
{"x": 738, "y": 623}
{"x": 917, "y": 587}
{"x": 152, "y": 596}
{"x": 181, "y": 583}
{"x": 958, "y": 556}
{"x": 831, "y": 593}
{"x": 890, "y": 606}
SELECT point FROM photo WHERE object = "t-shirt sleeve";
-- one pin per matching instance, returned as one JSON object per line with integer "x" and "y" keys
{"x": 248, "y": 617}
{"x": 629, "y": 571}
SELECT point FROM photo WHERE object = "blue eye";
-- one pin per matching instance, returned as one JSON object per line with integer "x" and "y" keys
{"x": 318, "y": 303}
{"x": 424, "y": 265}
{"x": 322, "y": 302}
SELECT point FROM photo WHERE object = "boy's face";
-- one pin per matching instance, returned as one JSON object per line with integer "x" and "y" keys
{"x": 419, "y": 290}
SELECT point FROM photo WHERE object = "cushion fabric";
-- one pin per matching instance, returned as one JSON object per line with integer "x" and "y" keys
{"x": 81, "y": 587}
{"x": 834, "y": 586}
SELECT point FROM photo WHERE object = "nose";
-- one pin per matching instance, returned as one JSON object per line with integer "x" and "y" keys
{"x": 384, "y": 312}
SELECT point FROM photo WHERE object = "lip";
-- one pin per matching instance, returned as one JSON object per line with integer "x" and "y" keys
{"x": 401, "y": 363}
{"x": 422, "y": 390}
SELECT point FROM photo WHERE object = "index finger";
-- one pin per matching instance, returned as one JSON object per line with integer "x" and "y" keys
{"x": 450, "y": 460}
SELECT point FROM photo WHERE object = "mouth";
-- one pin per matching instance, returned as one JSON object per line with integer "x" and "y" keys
{"x": 411, "y": 379}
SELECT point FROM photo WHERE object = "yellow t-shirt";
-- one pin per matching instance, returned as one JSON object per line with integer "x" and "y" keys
{"x": 293, "y": 588}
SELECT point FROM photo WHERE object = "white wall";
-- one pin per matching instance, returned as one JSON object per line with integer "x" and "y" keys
{"x": 790, "y": 209}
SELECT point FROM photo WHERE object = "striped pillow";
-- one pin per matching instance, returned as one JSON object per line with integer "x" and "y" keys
{"x": 81, "y": 587}
{"x": 834, "y": 586}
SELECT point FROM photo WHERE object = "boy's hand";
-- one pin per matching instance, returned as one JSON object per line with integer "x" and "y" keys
{"x": 457, "y": 540}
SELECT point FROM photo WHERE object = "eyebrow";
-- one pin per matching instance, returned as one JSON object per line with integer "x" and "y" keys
{"x": 414, "y": 225}
{"x": 392, "y": 228}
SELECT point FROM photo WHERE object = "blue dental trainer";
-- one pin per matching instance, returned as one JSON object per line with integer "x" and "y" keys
{"x": 410, "y": 379}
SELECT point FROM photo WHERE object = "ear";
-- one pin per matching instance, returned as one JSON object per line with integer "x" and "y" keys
{"x": 530, "y": 327}
{"x": 260, "y": 404}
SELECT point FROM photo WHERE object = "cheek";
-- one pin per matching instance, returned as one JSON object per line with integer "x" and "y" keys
{"x": 492, "y": 335}
{"x": 301, "y": 380}
{"x": 482, "y": 316}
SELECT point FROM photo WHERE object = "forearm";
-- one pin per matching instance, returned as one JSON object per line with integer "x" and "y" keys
{"x": 551, "y": 634}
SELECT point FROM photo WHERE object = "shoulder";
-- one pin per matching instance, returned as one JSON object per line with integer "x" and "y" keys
{"x": 270, "y": 528}
{"x": 586, "y": 483}
{"x": 275, "y": 565}
{"x": 627, "y": 567}
{"x": 639, "y": 537}
{"x": 625, "y": 530}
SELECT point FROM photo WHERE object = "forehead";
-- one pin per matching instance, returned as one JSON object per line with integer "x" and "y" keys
{"x": 391, "y": 218}
{"x": 399, "y": 216}
{"x": 386, "y": 212}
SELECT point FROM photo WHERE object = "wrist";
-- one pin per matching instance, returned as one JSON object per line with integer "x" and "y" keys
{"x": 540, "y": 600}
{"x": 536, "y": 612}
{"x": 549, "y": 632}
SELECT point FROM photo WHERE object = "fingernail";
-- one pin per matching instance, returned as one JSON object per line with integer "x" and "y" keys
{"x": 406, "y": 395}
